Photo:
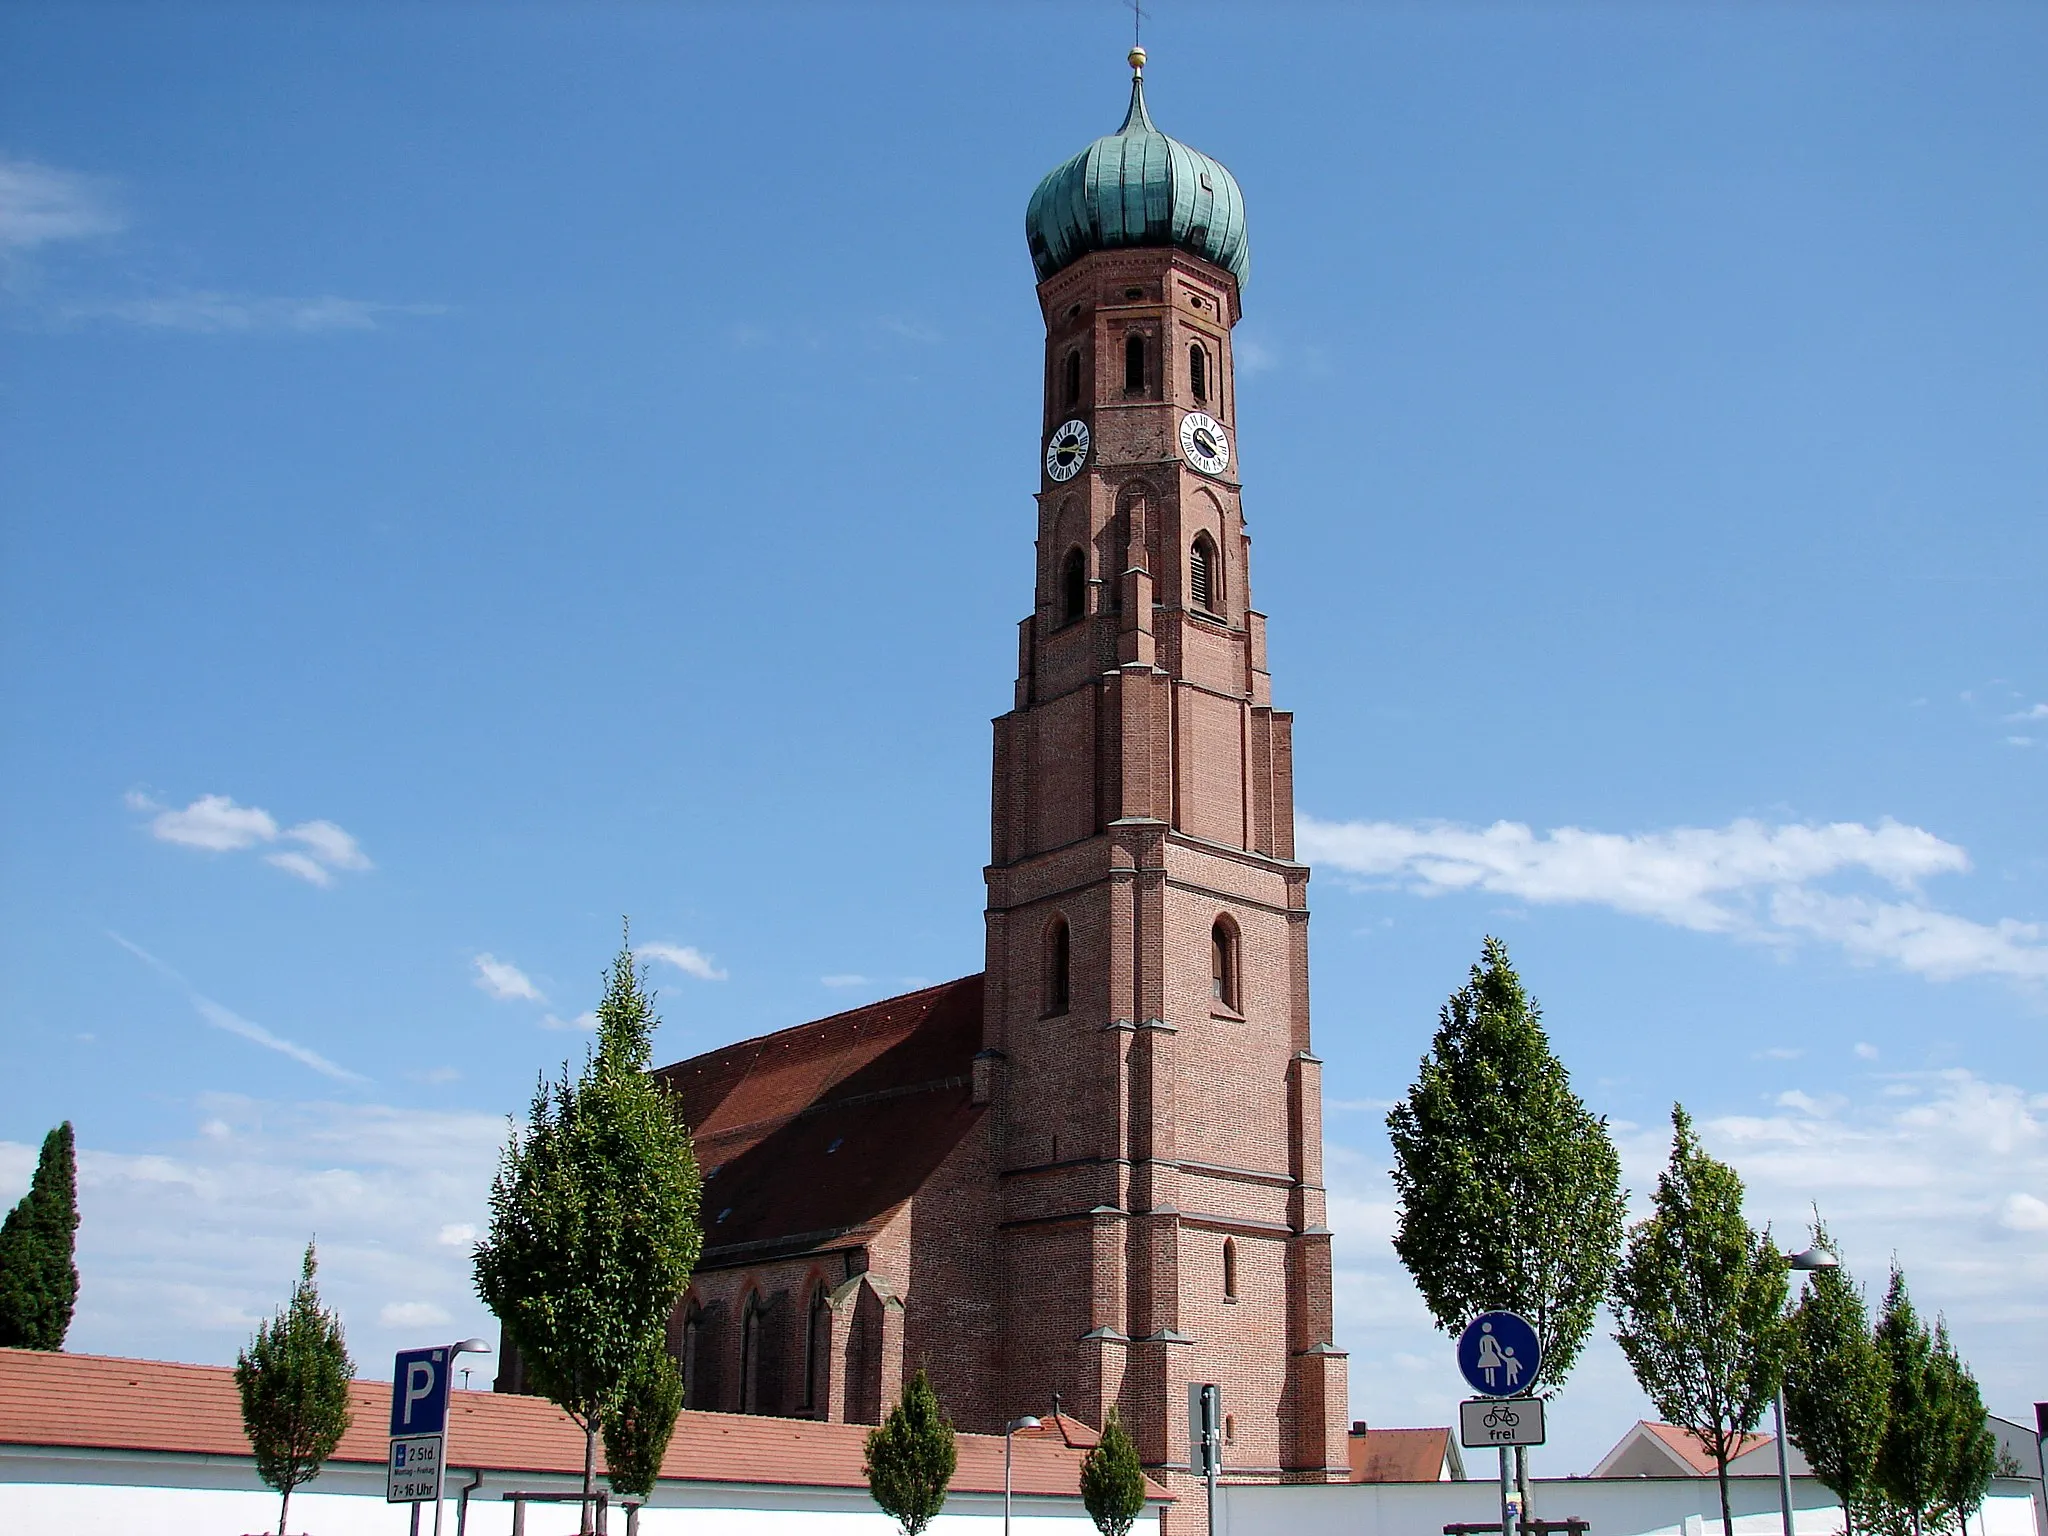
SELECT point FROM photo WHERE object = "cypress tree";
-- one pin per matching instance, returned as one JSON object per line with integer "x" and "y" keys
{"x": 910, "y": 1459}
{"x": 1113, "y": 1480}
{"x": 1835, "y": 1383}
{"x": 642, "y": 1421}
{"x": 38, "y": 1276}
{"x": 1937, "y": 1455}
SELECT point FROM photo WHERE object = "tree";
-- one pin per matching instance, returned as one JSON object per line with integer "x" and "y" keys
{"x": 1835, "y": 1383}
{"x": 1701, "y": 1299}
{"x": 294, "y": 1383}
{"x": 637, "y": 1430}
{"x": 594, "y": 1220}
{"x": 1113, "y": 1480}
{"x": 1510, "y": 1188}
{"x": 38, "y": 1279}
{"x": 910, "y": 1458}
{"x": 1937, "y": 1454}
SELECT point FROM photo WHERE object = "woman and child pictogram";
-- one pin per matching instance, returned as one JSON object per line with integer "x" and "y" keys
{"x": 1494, "y": 1356}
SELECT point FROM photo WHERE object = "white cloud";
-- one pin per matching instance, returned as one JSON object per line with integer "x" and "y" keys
{"x": 456, "y": 1234}
{"x": 184, "y": 1247}
{"x": 1865, "y": 1051}
{"x": 220, "y": 825}
{"x": 2038, "y": 712}
{"x": 40, "y": 204}
{"x": 1940, "y": 1169}
{"x": 684, "y": 957}
{"x": 226, "y": 1019}
{"x": 208, "y": 312}
{"x": 505, "y": 981}
{"x": 582, "y": 1021}
{"x": 1747, "y": 879}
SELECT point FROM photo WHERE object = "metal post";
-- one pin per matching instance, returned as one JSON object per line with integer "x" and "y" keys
{"x": 1006, "y": 1482}
{"x": 1507, "y": 1525}
{"x": 1784, "y": 1468}
{"x": 1215, "y": 1461}
{"x": 415, "y": 1518}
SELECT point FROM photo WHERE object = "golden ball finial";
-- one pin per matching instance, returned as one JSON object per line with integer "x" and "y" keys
{"x": 1137, "y": 58}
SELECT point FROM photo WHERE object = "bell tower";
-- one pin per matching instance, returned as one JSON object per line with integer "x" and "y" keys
{"x": 1157, "y": 1130}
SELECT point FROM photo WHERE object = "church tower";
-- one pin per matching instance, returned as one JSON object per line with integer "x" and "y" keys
{"x": 1157, "y": 1127}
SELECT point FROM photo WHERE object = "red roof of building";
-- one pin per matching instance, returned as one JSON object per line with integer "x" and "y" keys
{"x": 96, "y": 1402}
{"x": 1687, "y": 1446}
{"x": 816, "y": 1133}
{"x": 1399, "y": 1455}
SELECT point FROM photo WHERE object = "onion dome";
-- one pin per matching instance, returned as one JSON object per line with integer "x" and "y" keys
{"x": 1137, "y": 187}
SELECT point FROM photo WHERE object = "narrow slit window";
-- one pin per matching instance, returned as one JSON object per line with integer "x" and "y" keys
{"x": 1073, "y": 586}
{"x": 693, "y": 1339}
{"x": 1202, "y": 574}
{"x": 1230, "y": 1269}
{"x": 814, "y": 1352}
{"x": 1134, "y": 364}
{"x": 1223, "y": 964}
{"x": 1058, "y": 967}
{"x": 1073, "y": 378}
{"x": 1198, "y": 372}
{"x": 750, "y": 1356}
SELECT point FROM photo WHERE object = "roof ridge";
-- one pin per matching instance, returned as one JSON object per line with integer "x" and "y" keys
{"x": 829, "y": 1018}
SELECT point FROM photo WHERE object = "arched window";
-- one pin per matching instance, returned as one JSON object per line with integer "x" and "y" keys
{"x": 1230, "y": 1429}
{"x": 1198, "y": 371}
{"x": 750, "y": 1355}
{"x": 817, "y": 1336}
{"x": 693, "y": 1372}
{"x": 1202, "y": 573}
{"x": 1223, "y": 963}
{"x": 1134, "y": 364}
{"x": 1074, "y": 586}
{"x": 1073, "y": 378}
{"x": 1230, "y": 1269}
{"x": 1058, "y": 966}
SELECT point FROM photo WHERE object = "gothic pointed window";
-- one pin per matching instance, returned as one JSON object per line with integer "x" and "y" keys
{"x": 692, "y": 1365}
{"x": 817, "y": 1337}
{"x": 1073, "y": 586}
{"x": 1198, "y": 372}
{"x": 1058, "y": 966}
{"x": 1134, "y": 364}
{"x": 1202, "y": 574}
{"x": 1230, "y": 1269}
{"x": 1073, "y": 378}
{"x": 1223, "y": 963}
{"x": 750, "y": 1355}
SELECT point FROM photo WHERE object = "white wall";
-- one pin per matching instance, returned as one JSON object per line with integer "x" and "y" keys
{"x": 1627, "y": 1506}
{"x": 111, "y": 1494}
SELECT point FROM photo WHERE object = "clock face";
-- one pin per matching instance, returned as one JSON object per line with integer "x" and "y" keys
{"x": 1067, "y": 451}
{"x": 1204, "y": 443}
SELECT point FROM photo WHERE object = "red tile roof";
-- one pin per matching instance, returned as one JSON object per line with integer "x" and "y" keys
{"x": 1399, "y": 1455}
{"x": 92, "y": 1401}
{"x": 819, "y": 1132}
{"x": 1686, "y": 1445}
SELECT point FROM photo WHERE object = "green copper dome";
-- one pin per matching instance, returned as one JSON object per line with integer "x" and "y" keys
{"x": 1137, "y": 187}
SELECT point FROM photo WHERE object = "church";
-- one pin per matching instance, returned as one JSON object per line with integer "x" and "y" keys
{"x": 1091, "y": 1175}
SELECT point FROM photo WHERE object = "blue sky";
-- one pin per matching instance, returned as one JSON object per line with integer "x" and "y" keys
{"x": 476, "y": 472}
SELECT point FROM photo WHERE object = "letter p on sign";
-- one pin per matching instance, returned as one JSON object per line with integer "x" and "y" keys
{"x": 419, "y": 1392}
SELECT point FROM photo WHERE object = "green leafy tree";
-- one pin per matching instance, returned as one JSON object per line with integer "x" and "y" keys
{"x": 1701, "y": 1300}
{"x": 1113, "y": 1480}
{"x": 637, "y": 1430}
{"x": 594, "y": 1220}
{"x": 1937, "y": 1456}
{"x": 910, "y": 1458}
{"x": 38, "y": 1279}
{"x": 1836, "y": 1398}
{"x": 294, "y": 1380}
{"x": 1510, "y": 1188}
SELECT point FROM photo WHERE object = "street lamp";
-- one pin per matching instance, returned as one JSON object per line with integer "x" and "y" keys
{"x": 466, "y": 1347}
{"x": 1009, "y": 1429}
{"x": 1802, "y": 1264}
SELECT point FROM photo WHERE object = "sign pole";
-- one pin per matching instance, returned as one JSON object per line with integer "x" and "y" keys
{"x": 1507, "y": 1527}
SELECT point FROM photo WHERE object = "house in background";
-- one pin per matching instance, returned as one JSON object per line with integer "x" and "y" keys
{"x": 1404, "y": 1455}
{"x": 1664, "y": 1450}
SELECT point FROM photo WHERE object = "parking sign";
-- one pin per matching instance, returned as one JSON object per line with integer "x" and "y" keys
{"x": 419, "y": 1425}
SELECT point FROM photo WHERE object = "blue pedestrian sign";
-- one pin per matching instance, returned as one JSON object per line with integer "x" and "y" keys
{"x": 419, "y": 1392}
{"x": 1499, "y": 1354}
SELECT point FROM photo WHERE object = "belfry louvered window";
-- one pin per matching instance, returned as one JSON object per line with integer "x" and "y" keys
{"x": 1073, "y": 586}
{"x": 1058, "y": 966}
{"x": 1073, "y": 378}
{"x": 1198, "y": 372}
{"x": 1134, "y": 364}
{"x": 1202, "y": 574}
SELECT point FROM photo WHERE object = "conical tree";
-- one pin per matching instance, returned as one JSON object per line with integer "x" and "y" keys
{"x": 294, "y": 1383}
{"x": 1937, "y": 1455}
{"x": 638, "y": 1429}
{"x": 594, "y": 1220}
{"x": 1113, "y": 1480}
{"x": 1835, "y": 1383}
{"x": 1701, "y": 1299}
{"x": 910, "y": 1458}
{"x": 38, "y": 1275}
{"x": 1510, "y": 1188}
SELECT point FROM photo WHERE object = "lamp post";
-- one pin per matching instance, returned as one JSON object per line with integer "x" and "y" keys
{"x": 1009, "y": 1429}
{"x": 1802, "y": 1264}
{"x": 466, "y": 1347}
